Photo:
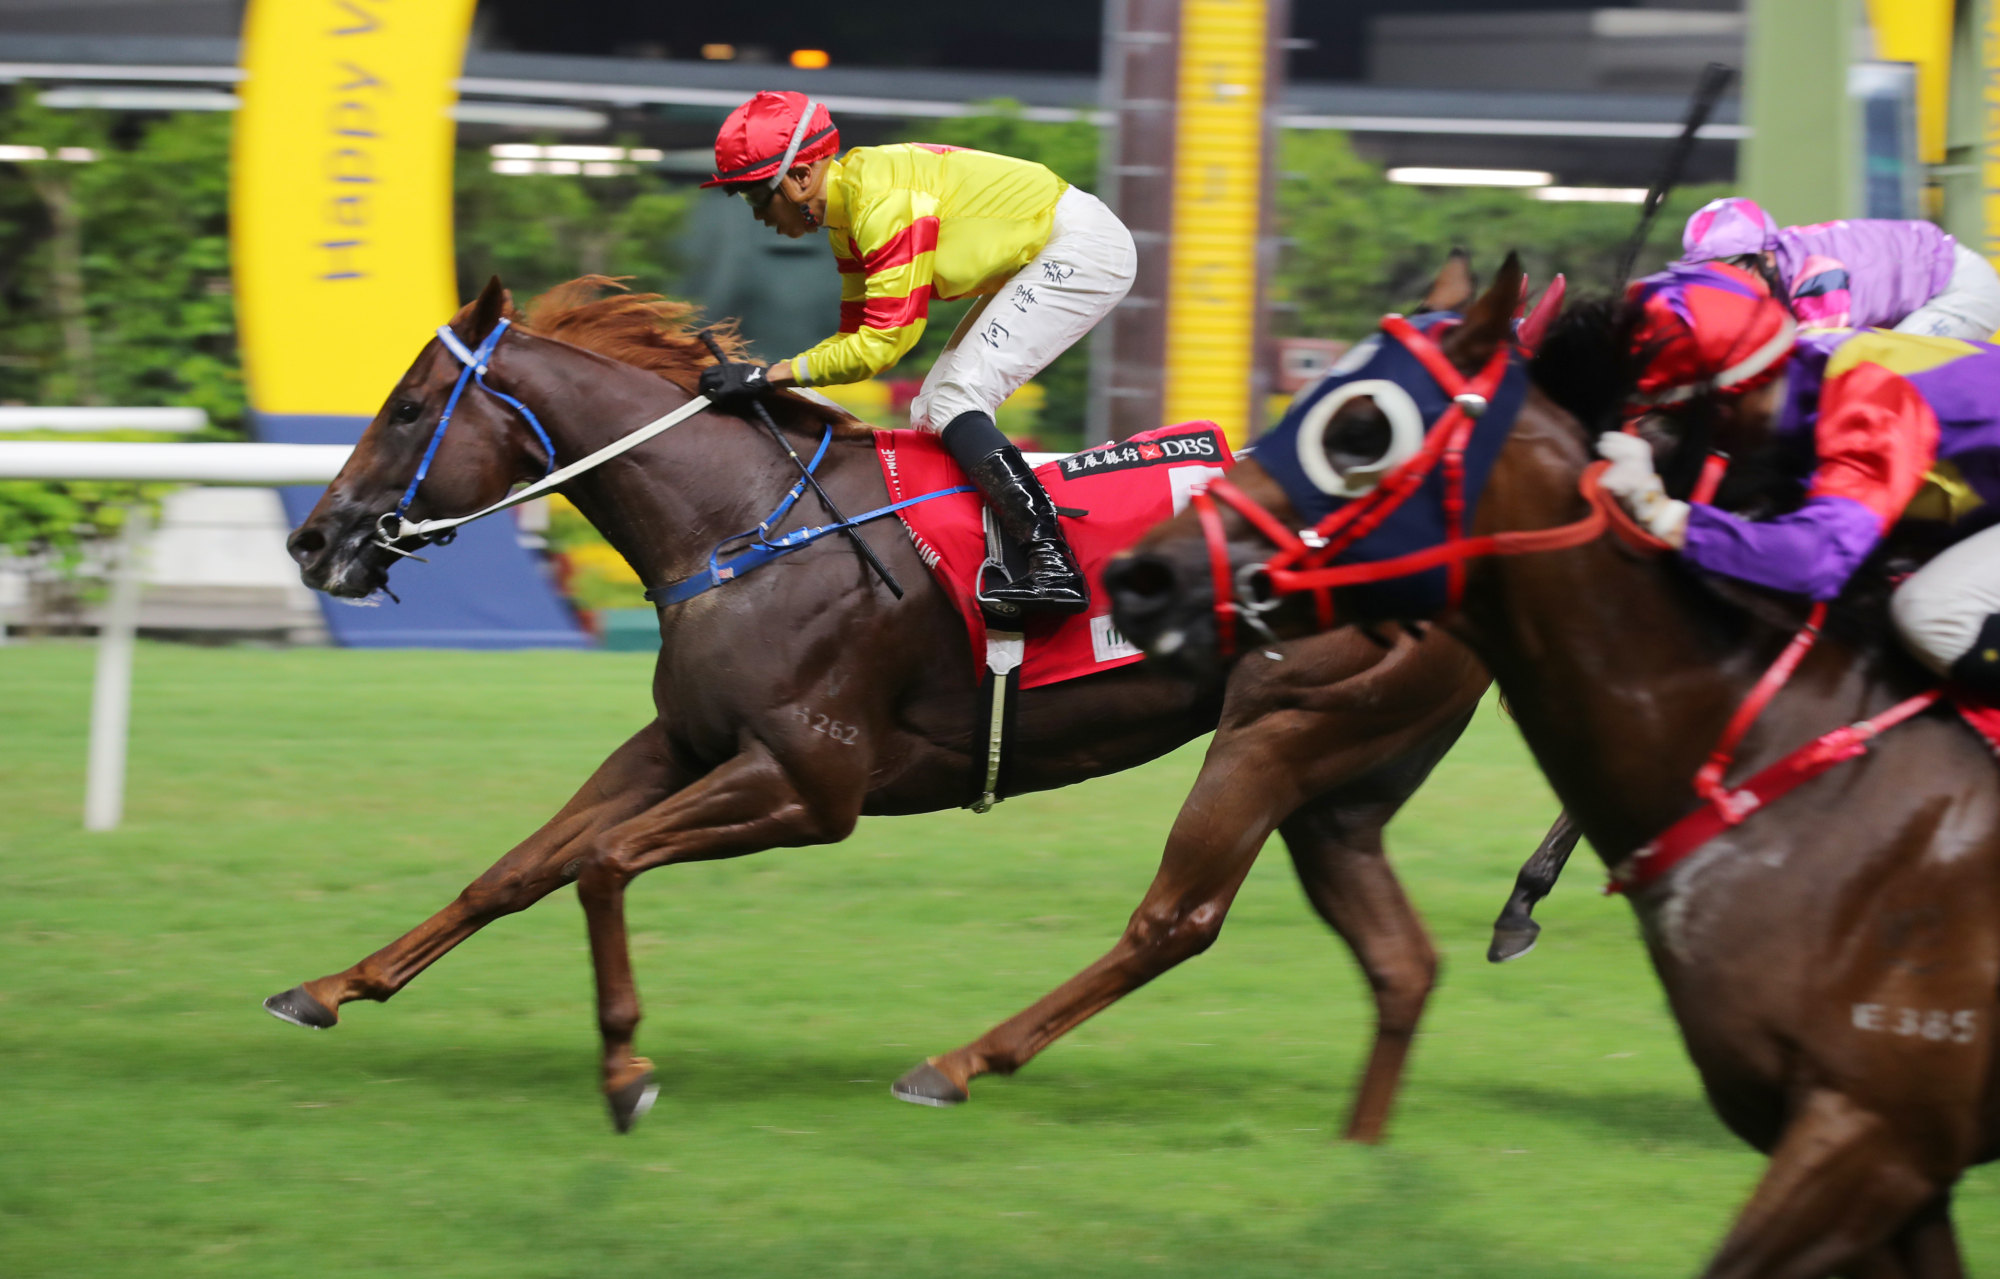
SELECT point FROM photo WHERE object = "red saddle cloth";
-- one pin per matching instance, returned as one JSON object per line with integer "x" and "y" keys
{"x": 1125, "y": 488}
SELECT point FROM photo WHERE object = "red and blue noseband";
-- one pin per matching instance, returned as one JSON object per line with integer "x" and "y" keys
{"x": 1364, "y": 516}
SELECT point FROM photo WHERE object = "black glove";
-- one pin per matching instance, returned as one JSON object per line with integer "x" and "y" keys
{"x": 725, "y": 382}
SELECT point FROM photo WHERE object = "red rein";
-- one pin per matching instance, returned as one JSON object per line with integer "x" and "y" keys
{"x": 1303, "y": 564}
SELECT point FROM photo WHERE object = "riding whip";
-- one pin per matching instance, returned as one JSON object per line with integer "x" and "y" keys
{"x": 1715, "y": 78}
{"x": 764, "y": 416}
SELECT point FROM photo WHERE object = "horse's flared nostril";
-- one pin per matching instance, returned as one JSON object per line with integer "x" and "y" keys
{"x": 1140, "y": 584}
{"x": 305, "y": 544}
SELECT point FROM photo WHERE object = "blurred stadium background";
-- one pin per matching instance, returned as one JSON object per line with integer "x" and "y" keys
{"x": 175, "y": 177}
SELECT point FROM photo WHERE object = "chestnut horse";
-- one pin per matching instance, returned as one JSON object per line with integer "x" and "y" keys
{"x": 1833, "y": 960}
{"x": 732, "y": 764}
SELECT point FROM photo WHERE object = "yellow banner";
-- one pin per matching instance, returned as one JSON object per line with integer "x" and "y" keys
{"x": 1218, "y": 199}
{"x": 340, "y": 195}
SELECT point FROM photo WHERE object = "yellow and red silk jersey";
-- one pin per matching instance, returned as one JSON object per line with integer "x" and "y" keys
{"x": 913, "y": 222}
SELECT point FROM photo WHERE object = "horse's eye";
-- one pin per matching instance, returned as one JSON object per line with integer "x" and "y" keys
{"x": 406, "y": 411}
{"x": 1358, "y": 439}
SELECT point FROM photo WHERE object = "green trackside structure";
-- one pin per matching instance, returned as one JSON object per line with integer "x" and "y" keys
{"x": 1807, "y": 65}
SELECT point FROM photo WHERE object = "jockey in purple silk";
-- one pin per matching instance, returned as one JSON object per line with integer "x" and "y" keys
{"x": 1885, "y": 427}
{"x": 1854, "y": 274}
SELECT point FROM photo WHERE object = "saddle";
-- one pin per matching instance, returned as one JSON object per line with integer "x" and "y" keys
{"x": 1106, "y": 496}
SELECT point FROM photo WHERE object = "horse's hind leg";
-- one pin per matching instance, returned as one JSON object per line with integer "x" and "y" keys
{"x": 745, "y": 805}
{"x": 1336, "y": 847}
{"x": 1847, "y": 1192}
{"x": 633, "y": 779}
{"x": 1514, "y": 933}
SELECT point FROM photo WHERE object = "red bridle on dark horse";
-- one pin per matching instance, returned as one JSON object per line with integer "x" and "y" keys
{"x": 1303, "y": 562}
{"x": 1302, "y": 565}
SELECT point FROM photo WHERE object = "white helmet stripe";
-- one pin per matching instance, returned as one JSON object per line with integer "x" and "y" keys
{"x": 1742, "y": 371}
{"x": 798, "y": 138}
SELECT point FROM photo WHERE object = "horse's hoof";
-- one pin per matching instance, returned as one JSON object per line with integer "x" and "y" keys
{"x": 928, "y": 1086}
{"x": 1512, "y": 942}
{"x": 630, "y": 1103}
{"x": 301, "y": 1009}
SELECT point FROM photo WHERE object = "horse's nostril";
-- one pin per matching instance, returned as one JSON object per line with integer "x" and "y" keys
{"x": 304, "y": 544}
{"x": 1140, "y": 580}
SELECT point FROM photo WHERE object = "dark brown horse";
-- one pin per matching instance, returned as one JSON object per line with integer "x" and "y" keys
{"x": 735, "y": 762}
{"x": 1833, "y": 961}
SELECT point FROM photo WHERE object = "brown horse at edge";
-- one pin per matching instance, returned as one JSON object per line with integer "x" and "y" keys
{"x": 1324, "y": 746}
{"x": 1834, "y": 961}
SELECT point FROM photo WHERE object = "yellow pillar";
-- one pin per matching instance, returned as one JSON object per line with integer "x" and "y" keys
{"x": 340, "y": 200}
{"x": 1919, "y": 31}
{"x": 1218, "y": 188}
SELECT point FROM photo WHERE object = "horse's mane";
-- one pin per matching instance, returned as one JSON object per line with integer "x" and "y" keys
{"x": 1589, "y": 362}
{"x": 651, "y": 332}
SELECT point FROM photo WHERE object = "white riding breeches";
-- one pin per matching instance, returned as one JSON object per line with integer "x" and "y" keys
{"x": 1084, "y": 270}
{"x": 1969, "y": 306}
{"x": 1939, "y": 611}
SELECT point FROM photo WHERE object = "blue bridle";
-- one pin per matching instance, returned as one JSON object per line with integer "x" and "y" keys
{"x": 475, "y": 363}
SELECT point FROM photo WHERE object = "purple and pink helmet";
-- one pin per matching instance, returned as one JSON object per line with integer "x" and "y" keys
{"x": 1727, "y": 228}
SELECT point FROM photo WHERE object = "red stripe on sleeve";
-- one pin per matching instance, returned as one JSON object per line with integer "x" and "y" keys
{"x": 850, "y": 317}
{"x": 852, "y": 263}
{"x": 918, "y": 237}
{"x": 894, "y": 313}
{"x": 1876, "y": 436}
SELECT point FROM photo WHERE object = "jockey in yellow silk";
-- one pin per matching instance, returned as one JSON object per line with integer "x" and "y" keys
{"x": 910, "y": 223}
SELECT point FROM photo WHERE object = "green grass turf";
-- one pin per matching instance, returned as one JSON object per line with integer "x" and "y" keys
{"x": 291, "y": 811}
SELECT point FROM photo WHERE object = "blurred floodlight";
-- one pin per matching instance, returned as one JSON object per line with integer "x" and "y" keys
{"x": 76, "y": 155}
{"x": 586, "y": 153}
{"x": 646, "y": 155}
{"x": 561, "y": 166}
{"x": 1593, "y": 195}
{"x": 139, "y": 99}
{"x": 718, "y": 52}
{"x": 22, "y": 153}
{"x": 809, "y": 59}
{"x": 515, "y": 151}
{"x": 1423, "y": 177}
{"x": 528, "y": 115}
{"x": 514, "y": 166}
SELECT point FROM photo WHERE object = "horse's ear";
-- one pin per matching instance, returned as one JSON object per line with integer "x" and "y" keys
{"x": 477, "y": 317}
{"x": 1452, "y": 289}
{"x": 1490, "y": 322}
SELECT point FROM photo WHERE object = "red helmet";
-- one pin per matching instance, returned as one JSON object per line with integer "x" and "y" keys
{"x": 766, "y": 136}
{"x": 1708, "y": 327}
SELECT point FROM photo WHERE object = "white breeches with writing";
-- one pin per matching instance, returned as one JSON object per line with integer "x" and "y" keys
{"x": 1084, "y": 270}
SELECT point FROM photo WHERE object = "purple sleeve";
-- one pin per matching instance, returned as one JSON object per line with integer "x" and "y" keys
{"x": 1892, "y": 267}
{"x": 1811, "y": 552}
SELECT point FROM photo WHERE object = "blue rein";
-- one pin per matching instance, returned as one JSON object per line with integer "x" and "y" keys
{"x": 719, "y": 570}
{"x": 764, "y": 550}
{"x": 474, "y": 370}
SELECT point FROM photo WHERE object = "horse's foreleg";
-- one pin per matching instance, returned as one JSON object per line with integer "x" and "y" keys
{"x": 745, "y": 805}
{"x": 633, "y": 779}
{"x": 1514, "y": 933}
{"x": 1845, "y": 1188}
{"x": 1216, "y": 837}
{"x": 1336, "y": 847}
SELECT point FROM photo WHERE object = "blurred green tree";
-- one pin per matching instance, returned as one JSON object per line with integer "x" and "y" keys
{"x": 537, "y": 230}
{"x": 1357, "y": 245}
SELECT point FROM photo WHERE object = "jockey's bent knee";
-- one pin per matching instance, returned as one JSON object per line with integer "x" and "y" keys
{"x": 1968, "y": 307}
{"x": 1948, "y": 613}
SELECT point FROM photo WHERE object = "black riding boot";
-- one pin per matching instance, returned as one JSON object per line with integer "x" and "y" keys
{"x": 1054, "y": 584}
{"x": 1979, "y": 669}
